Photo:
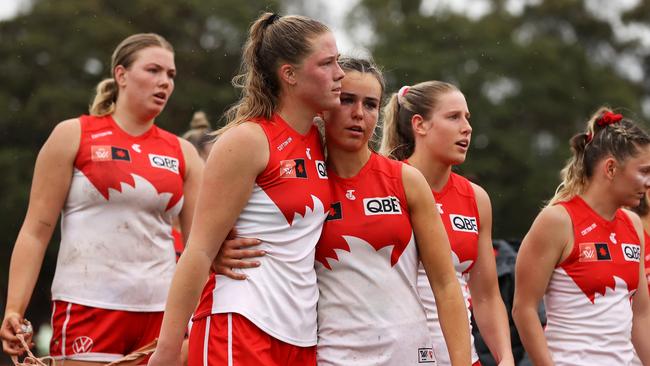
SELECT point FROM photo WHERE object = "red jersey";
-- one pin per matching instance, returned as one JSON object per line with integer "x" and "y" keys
{"x": 369, "y": 312}
{"x": 588, "y": 307}
{"x": 456, "y": 204}
{"x": 285, "y": 212}
{"x": 116, "y": 245}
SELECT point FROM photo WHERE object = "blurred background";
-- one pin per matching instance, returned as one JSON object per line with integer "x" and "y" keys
{"x": 532, "y": 71}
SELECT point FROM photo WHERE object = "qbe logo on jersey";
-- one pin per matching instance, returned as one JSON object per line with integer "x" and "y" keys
{"x": 164, "y": 162}
{"x": 382, "y": 206}
{"x": 463, "y": 223}
{"x": 631, "y": 252}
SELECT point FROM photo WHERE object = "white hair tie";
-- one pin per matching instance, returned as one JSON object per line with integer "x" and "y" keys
{"x": 401, "y": 93}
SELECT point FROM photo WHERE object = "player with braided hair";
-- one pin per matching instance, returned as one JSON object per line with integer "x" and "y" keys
{"x": 586, "y": 251}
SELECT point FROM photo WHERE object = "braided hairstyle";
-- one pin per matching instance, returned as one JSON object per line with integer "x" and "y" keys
{"x": 607, "y": 134}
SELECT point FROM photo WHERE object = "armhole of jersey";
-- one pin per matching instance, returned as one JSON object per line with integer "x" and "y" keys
{"x": 574, "y": 250}
{"x": 474, "y": 202}
{"x": 268, "y": 144}
{"x": 83, "y": 123}
{"x": 181, "y": 156}
{"x": 399, "y": 167}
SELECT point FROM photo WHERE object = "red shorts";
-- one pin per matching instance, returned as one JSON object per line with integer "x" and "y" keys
{"x": 231, "y": 339}
{"x": 91, "y": 334}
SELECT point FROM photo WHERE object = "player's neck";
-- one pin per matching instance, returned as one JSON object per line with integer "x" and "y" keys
{"x": 131, "y": 123}
{"x": 347, "y": 164}
{"x": 436, "y": 173}
{"x": 299, "y": 118}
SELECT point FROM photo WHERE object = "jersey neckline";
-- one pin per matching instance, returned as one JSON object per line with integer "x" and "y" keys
{"x": 127, "y": 135}
{"x": 360, "y": 173}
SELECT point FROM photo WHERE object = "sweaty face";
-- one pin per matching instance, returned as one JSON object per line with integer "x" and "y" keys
{"x": 632, "y": 178}
{"x": 149, "y": 81}
{"x": 318, "y": 77}
{"x": 449, "y": 133}
{"x": 350, "y": 126}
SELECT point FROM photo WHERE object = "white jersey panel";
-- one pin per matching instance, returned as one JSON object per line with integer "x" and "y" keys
{"x": 280, "y": 295}
{"x": 428, "y": 300}
{"x": 112, "y": 255}
{"x": 359, "y": 325}
{"x": 573, "y": 337}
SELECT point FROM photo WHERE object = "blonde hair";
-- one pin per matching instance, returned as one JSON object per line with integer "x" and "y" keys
{"x": 125, "y": 54}
{"x": 398, "y": 141}
{"x": 620, "y": 139}
{"x": 272, "y": 40}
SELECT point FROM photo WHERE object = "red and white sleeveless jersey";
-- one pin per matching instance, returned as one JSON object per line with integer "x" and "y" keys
{"x": 286, "y": 212}
{"x": 369, "y": 312}
{"x": 117, "y": 250}
{"x": 588, "y": 307}
{"x": 457, "y": 207}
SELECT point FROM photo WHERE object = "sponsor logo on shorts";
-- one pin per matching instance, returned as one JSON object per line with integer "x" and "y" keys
{"x": 463, "y": 223}
{"x": 631, "y": 252}
{"x": 335, "y": 212}
{"x": 293, "y": 168}
{"x": 100, "y": 153}
{"x": 101, "y": 134}
{"x": 382, "y": 206}
{"x": 321, "y": 168}
{"x": 426, "y": 355}
{"x": 164, "y": 162}
{"x": 82, "y": 344}
{"x": 593, "y": 252}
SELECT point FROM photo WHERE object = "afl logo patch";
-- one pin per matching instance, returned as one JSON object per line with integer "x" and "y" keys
{"x": 118, "y": 153}
{"x": 321, "y": 169}
{"x": 593, "y": 252}
{"x": 82, "y": 344}
{"x": 293, "y": 168}
{"x": 335, "y": 213}
{"x": 164, "y": 162}
{"x": 382, "y": 206}
{"x": 463, "y": 223}
{"x": 631, "y": 252}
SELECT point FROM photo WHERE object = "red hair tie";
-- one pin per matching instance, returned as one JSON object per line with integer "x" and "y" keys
{"x": 608, "y": 118}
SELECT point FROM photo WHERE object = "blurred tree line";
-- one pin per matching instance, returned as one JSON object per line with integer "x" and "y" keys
{"x": 531, "y": 78}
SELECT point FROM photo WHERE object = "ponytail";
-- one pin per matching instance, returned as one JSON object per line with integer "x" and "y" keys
{"x": 105, "y": 98}
{"x": 272, "y": 40}
{"x": 398, "y": 140}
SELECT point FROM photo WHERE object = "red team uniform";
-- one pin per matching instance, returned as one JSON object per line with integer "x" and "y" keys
{"x": 587, "y": 301}
{"x": 457, "y": 207}
{"x": 272, "y": 314}
{"x": 369, "y": 312}
{"x": 116, "y": 257}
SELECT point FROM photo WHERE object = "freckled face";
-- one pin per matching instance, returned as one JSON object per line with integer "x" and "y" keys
{"x": 318, "y": 77}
